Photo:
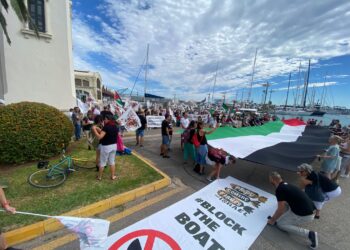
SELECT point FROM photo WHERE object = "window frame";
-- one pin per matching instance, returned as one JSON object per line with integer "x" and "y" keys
{"x": 37, "y": 13}
{"x": 28, "y": 33}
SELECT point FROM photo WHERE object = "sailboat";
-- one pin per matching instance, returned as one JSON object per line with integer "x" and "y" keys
{"x": 303, "y": 110}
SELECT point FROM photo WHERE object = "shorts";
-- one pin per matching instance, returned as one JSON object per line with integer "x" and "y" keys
{"x": 140, "y": 132}
{"x": 107, "y": 154}
{"x": 165, "y": 139}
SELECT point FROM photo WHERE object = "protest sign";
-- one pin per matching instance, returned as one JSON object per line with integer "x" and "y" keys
{"x": 227, "y": 214}
{"x": 194, "y": 117}
{"x": 154, "y": 121}
{"x": 130, "y": 120}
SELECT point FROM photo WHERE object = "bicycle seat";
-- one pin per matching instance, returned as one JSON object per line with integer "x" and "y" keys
{"x": 42, "y": 164}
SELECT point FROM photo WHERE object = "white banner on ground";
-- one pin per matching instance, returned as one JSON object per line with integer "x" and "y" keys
{"x": 91, "y": 232}
{"x": 130, "y": 120}
{"x": 195, "y": 117}
{"x": 227, "y": 214}
{"x": 154, "y": 121}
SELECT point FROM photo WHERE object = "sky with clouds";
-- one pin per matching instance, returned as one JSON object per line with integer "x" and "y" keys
{"x": 188, "y": 40}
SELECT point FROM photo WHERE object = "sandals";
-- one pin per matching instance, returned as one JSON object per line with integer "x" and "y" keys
{"x": 98, "y": 178}
{"x": 113, "y": 178}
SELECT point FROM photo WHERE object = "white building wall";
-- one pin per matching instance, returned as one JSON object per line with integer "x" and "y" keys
{"x": 41, "y": 70}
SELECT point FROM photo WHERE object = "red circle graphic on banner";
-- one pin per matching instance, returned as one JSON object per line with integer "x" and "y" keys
{"x": 151, "y": 237}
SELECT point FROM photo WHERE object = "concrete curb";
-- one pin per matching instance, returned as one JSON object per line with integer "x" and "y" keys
{"x": 32, "y": 231}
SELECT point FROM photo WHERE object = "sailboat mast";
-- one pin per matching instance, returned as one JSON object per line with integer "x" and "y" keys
{"x": 285, "y": 105}
{"x": 323, "y": 91}
{"x": 266, "y": 91}
{"x": 146, "y": 72}
{"x": 307, "y": 84}
{"x": 298, "y": 86}
{"x": 216, "y": 73}
{"x": 251, "y": 82}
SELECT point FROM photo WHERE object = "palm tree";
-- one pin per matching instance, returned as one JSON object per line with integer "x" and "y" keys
{"x": 22, "y": 13}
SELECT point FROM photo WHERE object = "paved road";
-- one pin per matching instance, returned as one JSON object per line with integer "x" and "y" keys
{"x": 332, "y": 227}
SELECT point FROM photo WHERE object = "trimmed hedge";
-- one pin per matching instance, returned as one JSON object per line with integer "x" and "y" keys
{"x": 32, "y": 131}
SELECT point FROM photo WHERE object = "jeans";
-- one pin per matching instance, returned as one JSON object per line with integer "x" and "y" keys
{"x": 288, "y": 222}
{"x": 77, "y": 131}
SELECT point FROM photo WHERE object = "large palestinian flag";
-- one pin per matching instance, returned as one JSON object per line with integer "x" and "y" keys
{"x": 284, "y": 144}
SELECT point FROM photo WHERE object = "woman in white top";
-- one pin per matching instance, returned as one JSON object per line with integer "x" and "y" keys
{"x": 345, "y": 153}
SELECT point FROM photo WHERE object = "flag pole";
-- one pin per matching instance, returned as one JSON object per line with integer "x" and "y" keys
{"x": 27, "y": 213}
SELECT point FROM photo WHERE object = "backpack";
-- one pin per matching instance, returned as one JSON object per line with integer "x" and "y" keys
{"x": 186, "y": 135}
{"x": 195, "y": 140}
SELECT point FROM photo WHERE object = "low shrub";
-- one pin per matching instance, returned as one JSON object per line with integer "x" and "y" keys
{"x": 32, "y": 131}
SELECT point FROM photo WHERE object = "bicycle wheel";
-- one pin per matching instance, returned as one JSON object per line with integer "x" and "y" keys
{"x": 41, "y": 179}
{"x": 82, "y": 163}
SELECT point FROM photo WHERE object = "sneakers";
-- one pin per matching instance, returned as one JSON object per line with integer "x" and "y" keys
{"x": 314, "y": 240}
{"x": 344, "y": 175}
{"x": 209, "y": 179}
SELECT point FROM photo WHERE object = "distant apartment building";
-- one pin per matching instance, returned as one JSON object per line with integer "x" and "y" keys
{"x": 39, "y": 70}
{"x": 107, "y": 95}
{"x": 88, "y": 83}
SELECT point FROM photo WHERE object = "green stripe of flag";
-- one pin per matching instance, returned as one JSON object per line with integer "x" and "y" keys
{"x": 227, "y": 132}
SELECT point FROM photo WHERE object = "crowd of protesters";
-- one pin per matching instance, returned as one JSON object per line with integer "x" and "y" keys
{"x": 296, "y": 204}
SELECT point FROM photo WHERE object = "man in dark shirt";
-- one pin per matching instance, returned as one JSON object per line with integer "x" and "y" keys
{"x": 140, "y": 132}
{"x": 106, "y": 111}
{"x": 300, "y": 209}
{"x": 165, "y": 137}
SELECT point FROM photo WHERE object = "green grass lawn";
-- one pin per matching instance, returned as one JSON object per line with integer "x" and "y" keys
{"x": 81, "y": 188}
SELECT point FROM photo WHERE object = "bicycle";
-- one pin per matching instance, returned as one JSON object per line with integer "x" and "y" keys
{"x": 52, "y": 176}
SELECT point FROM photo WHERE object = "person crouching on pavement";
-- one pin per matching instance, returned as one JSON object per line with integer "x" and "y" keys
{"x": 220, "y": 158}
{"x": 300, "y": 209}
{"x": 329, "y": 189}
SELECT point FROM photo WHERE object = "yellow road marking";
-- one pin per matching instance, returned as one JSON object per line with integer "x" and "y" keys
{"x": 71, "y": 237}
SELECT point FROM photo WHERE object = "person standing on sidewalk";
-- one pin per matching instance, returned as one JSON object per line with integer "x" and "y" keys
{"x": 189, "y": 150}
{"x": 300, "y": 209}
{"x": 165, "y": 137}
{"x": 202, "y": 149}
{"x": 345, "y": 154}
{"x": 140, "y": 132}
{"x": 6, "y": 206}
{"x": 108, "y": 148}
{"x": 330, "y": 157}
{"x": 184, "y": 123}
{"x": 76, "y": 119}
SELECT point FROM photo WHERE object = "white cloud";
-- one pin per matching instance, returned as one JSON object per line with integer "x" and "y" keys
{"x": 311, "y": 85}
{"x": 188, "y": 38}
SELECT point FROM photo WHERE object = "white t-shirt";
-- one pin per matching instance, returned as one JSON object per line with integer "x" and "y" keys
{"x": 96, "y": 112}
{"x": 184, "y": 122}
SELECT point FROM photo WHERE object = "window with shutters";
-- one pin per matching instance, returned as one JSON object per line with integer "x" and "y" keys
{"x": 36, "y": 9}
{"x": 78, "y": 82}
{"x": 85, "y": 83}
